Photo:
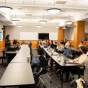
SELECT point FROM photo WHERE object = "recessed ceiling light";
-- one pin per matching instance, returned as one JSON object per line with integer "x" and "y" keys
{"x": 19, "y": 25}
{"x": 20, "y": 8}
{"x": 38, "y": 26}
{"x": 56, "y": 27}
{"x": 43, "y": 21}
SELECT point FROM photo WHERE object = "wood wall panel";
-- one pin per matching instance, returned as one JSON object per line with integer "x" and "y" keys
{"x": 79, "y": 32}
{"x": 1, "y": 45}
{"x": 60, "y": 34}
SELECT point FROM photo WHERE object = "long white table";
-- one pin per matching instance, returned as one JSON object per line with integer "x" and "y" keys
{"x": 59, "y": 58}
{"x": 19, "y": 71}
{"x": 17, "y": 74}
{"x": 22, "y": 55}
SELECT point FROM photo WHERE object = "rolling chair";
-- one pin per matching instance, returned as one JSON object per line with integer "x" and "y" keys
{"x": 44, "y": 65}
{"x": 43, "y": 70}
{"x": 36, "y": 77}
{"x": 31, "y": 54}
{"x": 3, "y": 56}
{"x": 82, "y": 80}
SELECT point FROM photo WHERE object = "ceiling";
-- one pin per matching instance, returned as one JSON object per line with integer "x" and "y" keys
{"x": 30, "y": 12}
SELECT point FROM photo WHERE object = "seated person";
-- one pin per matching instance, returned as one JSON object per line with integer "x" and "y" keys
{"x": 29, "y": 43}
{"x": 60, "y": 48}
{"x": 67, "y": 51}
{"x": 42, "y": 42}
{"x": 55, "y": 44}
{"x": 48, "y": 42}
{"x": 36, "y": 62}
{"x": 18, "y": 45}
{"x": 81, "y": 60}
{"x": 14, "y": 42}
{"x": 52, "y": 44}
{"x": 63, "y": 42}
{"x": 80, "y": 44}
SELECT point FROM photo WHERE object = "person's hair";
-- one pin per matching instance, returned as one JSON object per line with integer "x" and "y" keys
{"x": 82, "y": 42}
{"x": 14, "y": 41}
{"x": 7, "y": 36}
{"x": 84, "y": 49}
{"x": 43, "y": 61}
{"x": 41, "y": 51}
{"x": 51, "y": 41}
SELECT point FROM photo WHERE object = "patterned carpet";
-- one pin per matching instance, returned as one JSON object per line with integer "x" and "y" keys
{"x": 56, "y": 83}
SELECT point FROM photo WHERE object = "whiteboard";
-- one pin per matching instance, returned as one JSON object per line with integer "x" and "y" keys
{"x": 34, "y": 36}
{"x": 1, "y": 36}
{"x": 28, "y": 36}
{"x": 53, "y": 36}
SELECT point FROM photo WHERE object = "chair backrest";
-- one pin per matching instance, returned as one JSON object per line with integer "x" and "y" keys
{"x": 43, "y": 61}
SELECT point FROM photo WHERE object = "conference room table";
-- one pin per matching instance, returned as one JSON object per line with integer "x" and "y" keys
{"x": 60, "y": 59}
{"x": 9, "y": 54}
{"x": 18, "y": 71}
{"x": 17, "y": 74}
{"x": 22, "y": 55}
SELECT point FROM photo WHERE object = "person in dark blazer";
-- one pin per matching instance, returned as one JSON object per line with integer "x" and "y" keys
{"x": 7, "y": 41}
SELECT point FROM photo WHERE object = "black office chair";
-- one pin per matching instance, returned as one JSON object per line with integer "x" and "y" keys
{"x": 36, "y": 77}
{"x": 3, "y": 56}
{"x": 31, "y": 54}
{"x": 41, "y": 69}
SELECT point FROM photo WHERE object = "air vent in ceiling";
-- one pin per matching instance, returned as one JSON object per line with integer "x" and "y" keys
{"x": 28, "y": 15}
{"x": 61, "y": 2}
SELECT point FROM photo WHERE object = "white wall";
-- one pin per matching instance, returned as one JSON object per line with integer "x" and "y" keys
{"x": 15, "y": 32}
{"x": 69, "y": 34}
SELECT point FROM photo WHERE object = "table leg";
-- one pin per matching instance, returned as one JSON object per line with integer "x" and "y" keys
{"x": 62, "y": 70}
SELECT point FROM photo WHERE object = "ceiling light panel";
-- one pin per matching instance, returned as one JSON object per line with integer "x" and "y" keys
{"x": 28, "y": 15}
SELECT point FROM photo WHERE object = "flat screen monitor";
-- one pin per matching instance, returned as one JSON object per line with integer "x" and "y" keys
{"x": 43, "y": 36}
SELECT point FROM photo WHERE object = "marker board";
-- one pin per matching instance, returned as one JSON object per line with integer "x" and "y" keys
{"x": 34, "y": 36}
{"x": 28, "y": 36}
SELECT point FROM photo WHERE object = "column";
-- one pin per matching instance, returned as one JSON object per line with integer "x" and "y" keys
{"x": 79, "y": 31}
{"x": 60, "y": 34}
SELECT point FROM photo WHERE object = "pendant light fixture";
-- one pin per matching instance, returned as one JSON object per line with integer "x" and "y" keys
{"x": 54, "y": 10}
{"x": 38, "y": 26}
{"x": 69, "y": 21}
{"x": 43, "y": 21}
{"x": 15, "y": 20}
{"x": 5, "y": 8}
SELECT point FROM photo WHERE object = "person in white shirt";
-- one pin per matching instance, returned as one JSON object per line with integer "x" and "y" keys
{"x": 81, "y": 60}
{"x": 80, "y": 44}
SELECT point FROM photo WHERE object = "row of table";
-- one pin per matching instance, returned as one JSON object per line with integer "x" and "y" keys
{"x": 59, "y": 59}
{"x": 18, "y": 71}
